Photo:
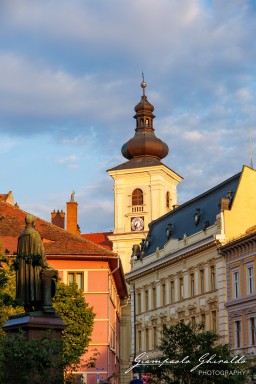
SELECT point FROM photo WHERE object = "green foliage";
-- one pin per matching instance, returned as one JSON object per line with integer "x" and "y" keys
{"x": 75, "y": 312}
{"x": 34, "y": 361}
{"x": 79, "y": 317}
{"x": 8, "y": 304}
{"x": 188, "y": 351}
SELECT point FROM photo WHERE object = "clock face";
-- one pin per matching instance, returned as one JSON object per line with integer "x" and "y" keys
{"x": 137, "y": 223}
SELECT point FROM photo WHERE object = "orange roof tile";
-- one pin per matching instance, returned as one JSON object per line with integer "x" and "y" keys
{"x": 100, "y": 238}
{"x": 58, "y": 243}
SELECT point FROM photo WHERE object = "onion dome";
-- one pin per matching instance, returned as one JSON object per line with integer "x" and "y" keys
{"x": 144, "y": 143}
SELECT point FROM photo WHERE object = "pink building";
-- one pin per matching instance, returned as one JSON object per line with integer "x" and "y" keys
{"x": 96, "y": 270}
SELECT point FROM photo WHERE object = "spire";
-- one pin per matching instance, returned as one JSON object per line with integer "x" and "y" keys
{"x": 144, "y": 143}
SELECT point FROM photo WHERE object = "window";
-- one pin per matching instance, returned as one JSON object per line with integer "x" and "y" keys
{"x": 137, "y": 197}
{"x": 146, "y": 301}
{"x": 237, "y": 334}
{"x": 192, "y": 284}
{"x": 77, "y": 278}
{"x": 203, "y": 319}
{"x": 139, "y": 341}
{"x": 167, "y": 199}
{"x": 193, "y": 320}
{"x": 214, "y": 322}
{"x": 139, "y": 302}
{"x": 147, "y": 122}
{"x": 213, "y": 285}
{"x": 181, "y": 290}
{"x": 172, "y": 292}
{"x": 154, "y": 337}
{"x": 147, "y": 339}
{"x": 236, "y": 288}
{"x": 201, "y": 274}
{"x": 250, "y": 280}
{"x": 154, "y": 297}
{"x": 252, "y": 330}
{"x": 163, "y": 295}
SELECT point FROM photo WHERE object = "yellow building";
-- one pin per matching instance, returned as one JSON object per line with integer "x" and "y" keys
{"x": 180, "y": 273}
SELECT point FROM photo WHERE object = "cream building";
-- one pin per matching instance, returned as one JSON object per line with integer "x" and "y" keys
{"x": 144, "y": 189}
{"x": 180, "y": 273}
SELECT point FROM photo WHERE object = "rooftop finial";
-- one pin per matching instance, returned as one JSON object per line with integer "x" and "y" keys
{"x": 72, "y": 196}
{"x": 143, "y": 84}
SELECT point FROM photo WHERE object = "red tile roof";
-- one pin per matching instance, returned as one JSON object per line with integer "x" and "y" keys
{"x": 100, "y": 238}
{"x": 58, "y": 243}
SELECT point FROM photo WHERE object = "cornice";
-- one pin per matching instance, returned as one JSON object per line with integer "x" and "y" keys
{"x": 172, "y": 258}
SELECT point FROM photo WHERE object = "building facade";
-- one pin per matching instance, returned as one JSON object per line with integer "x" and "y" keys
{"x": 98, "y": 273}
{"x": 240, "y": 255}
{"x": 180, "y": 273}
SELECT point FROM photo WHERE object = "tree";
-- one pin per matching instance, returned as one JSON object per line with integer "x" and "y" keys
{"x": 75, "y": 312}
{"x": 190, "y": 355}
{"x": 8, "y": 304}
{"x": 79, "y": 317}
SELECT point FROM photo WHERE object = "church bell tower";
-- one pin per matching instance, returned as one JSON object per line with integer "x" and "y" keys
{"x": 144, "y": 188}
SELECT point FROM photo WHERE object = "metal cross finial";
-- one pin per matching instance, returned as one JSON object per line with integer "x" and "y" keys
{"x": 143, "y": 84}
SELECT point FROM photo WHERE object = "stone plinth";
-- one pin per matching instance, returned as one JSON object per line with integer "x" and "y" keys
{"x": 33, "y": 323}
{"x": 34, "y": 326}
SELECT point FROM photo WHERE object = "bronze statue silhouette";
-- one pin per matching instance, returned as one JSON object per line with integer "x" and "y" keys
{"x": 35, "y": 278}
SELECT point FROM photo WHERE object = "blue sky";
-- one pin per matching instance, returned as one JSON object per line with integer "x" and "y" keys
{"x": 70, "y": 74}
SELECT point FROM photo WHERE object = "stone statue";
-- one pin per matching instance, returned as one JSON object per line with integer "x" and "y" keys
{"x": 72, "y": 198}
{"x": 35, "y": 284}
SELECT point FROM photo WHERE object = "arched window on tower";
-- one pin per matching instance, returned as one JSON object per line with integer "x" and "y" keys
{"x": 167, "y": 199}
{"x": 147, "y": 122}
{"x": 137, "y": 197}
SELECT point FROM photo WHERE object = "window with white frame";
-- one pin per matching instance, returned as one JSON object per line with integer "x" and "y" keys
{"x": 76, "y": 278}
{"x": 250, "y": 280}
{"x": 236, "y": 284}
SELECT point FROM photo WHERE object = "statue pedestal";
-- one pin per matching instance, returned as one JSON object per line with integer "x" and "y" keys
{"x": 35, "y": 325}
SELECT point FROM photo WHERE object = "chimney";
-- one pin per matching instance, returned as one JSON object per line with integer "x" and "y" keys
{"x": 58, "y": 218}
{"x": 72, "y": 226}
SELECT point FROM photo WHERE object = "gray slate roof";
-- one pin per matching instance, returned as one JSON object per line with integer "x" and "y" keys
{"x": 182, "y": 218}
